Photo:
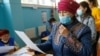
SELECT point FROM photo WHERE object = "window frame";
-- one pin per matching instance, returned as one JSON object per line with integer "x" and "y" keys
{"x": 40, "y": 5}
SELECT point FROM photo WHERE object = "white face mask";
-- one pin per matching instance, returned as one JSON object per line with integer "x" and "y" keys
{"x": 79, "y": 12}
{"x": 4, "y": 41}
{"x": 79, "y": 19}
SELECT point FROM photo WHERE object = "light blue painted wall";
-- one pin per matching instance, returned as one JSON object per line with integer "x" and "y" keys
{"x": 2, "y": 25}
{"x": 0, "y": 1}
{"x": 13, "y": 18}
{"x": 32, "y": 17}
{"x": 17, "y": 19}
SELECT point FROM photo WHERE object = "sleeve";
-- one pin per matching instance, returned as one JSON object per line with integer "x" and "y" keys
{"x": 97, "y": 18}
{"x": 48, "y": 44}
{"x": 91, "y": 25}
{"x": 81, "y": 46}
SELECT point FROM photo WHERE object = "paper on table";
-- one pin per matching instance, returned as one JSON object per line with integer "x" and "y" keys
{"x": 4, "y": 49}
{"x": 49, "y": 54}
{"x": 21, "y": 52}
{"x": 27, "y": 41}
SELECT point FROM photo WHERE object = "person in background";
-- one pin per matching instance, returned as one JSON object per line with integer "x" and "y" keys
{"x": 84, "y": 16}
{"x": 6, "y": 40}
{"x": 93, "y": 4}
{"x": 51, "y": 22}
{"x": 69, "y": 37}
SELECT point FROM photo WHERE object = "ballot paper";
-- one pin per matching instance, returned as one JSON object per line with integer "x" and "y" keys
{"x": 27, "y": 41}
{"x": 4, "y": 49}
{"x": 49, "y": 54}
{"x": 21, "y": 52}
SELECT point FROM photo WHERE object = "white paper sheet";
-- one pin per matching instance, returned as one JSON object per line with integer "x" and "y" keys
{"x": 27, "y": 41}
{"x": 49, "y": 54}
{"x": 4, "y": 49}
{"x": 21, "y": 52}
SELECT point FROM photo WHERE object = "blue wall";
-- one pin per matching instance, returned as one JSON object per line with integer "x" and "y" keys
{"x": 2, "y": 25}
{"x": 4, "y": 17}
{"x": 0, "y": 1}
{"x": 15, "y": 17}
{"x": 11, "y": 18}
{"x": 32, "y": 17}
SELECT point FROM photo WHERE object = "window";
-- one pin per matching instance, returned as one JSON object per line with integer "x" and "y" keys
{"x": 45, "y": 2}
{"x": 29, "y": 1}
{"x": 99, "y": 2}
{"x": 41, "y": 2}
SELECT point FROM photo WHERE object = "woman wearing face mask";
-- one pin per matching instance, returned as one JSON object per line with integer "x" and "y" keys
{"x": 84, "y": 16}
{"x": 93, "y": 4}
{"x": 6, "y": 40}
{"x": 69, "y": 37}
